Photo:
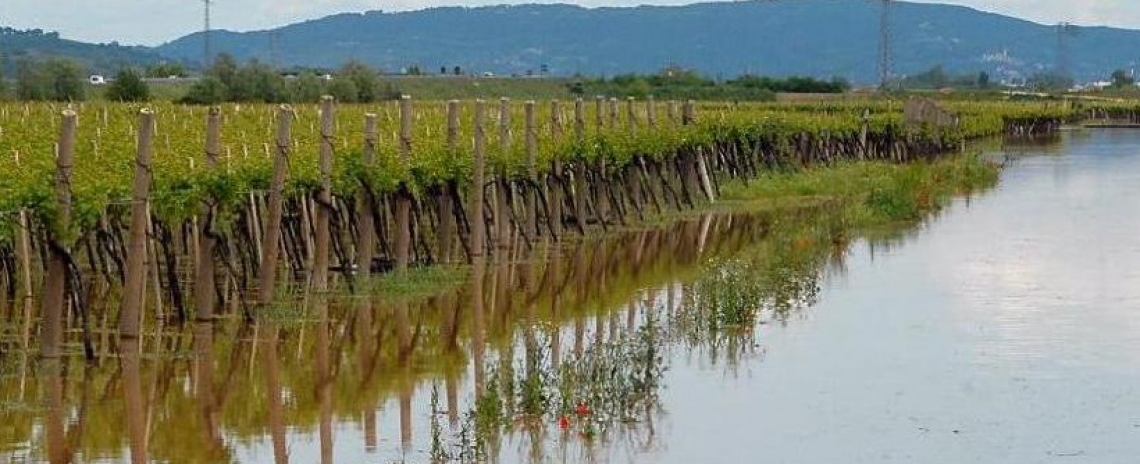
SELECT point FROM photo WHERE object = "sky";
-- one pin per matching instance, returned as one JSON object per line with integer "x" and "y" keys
{"x": 152, "y": 22}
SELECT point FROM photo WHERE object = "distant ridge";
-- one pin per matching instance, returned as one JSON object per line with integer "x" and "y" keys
{"x": 819, "y": 38}
{"x": 18, "y": 44}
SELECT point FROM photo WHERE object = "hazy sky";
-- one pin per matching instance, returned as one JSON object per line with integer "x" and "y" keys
{"x": 150, "y": 22}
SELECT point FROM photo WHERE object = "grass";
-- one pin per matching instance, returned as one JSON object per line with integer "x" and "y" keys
{"x": 871, "y": 193}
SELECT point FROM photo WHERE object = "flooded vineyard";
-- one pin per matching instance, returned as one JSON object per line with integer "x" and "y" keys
{"x": 868, "y": 318}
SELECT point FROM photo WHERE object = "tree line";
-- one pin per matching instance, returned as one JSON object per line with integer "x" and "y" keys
{"x": 679, "y": 83}
{"x": 255, "y": 81}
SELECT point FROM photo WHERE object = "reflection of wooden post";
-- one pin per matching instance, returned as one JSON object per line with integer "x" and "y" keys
{"x": 133, "y": 295}
{"x": 204, "y": 273}
{"x": 57, "y": 447}
{"x": 204, "y": 386}
{"x": 446, "y": 199}
{"x": 478, "y": 234}
{"x": 59, "y": 236}
{"x": 275, "y": 409}
{"x": 272, "y": 239}
{"x": 324, "y": 198}
{"x": 531, "y": 169}
{"x": 324, "y": 382}
{"x": 478, "y": 337}
{"x": 133, "y": 397}
{"x": 365, "y": 234}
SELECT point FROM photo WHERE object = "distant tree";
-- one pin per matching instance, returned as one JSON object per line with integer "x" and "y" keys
{"x": 208, "y": 91}
{"x": 165, "y": 69}
{"x": 443, "y": 70}
{"x": 257, "y": 81}
{"x": 224, "y": 69}
{"x": 306, "y": 88}
{"x": 1049, "y": 81}
{"x": 128, "y": 87}
{"x": 1122, "y": 78}
{"x": 31, "y": 83}
{"x": 363, "y": 78}
{"x": 56, "y": 79}
{"x": 3, "y": 85}
{"x": 343, "y": 90}
{"x": 983, "y": 80}
{"x": 457, "y": 70}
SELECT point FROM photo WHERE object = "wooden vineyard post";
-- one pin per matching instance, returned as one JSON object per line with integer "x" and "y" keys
{"x": 671, "y": 111}
{"x": 601, "y": 205}
{"x": 324, "y": 204}
{"x": 650, "y": 112}
{"x": 633, "y": 169}
{"x": 702, "y": 164}
{"x": 271, "y": 241}
{"x": 365, "y": 234}
{"x": 554, "y": 192}
{"x": 51, "y": 336}
{"x": 478, "y": 235}
{"x": 446, "y": 194}
{"x": 531, "y": 169}
{"x": 613, "y": 113}
{"x": 403, "y": 195}
{"x": 204, "y": 274}
{"x": 133, "y": 286}
{"x": 503, "y": 192}
{"x": 580, "y": 187}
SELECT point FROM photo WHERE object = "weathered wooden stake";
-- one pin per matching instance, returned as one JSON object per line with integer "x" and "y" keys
{"x": 446, "y": 233}
{"x": 503, "y": 192}
{"x": 553, "y": 191}
{"x": 365, "y": 234}
{"x": 531, "y": 168}
{"x": 204, "y": 274}
{"x": 51, "y": 336}
{"x": 320, "y": 271}
{"x": 403, "y": 198}
{"x": 580, "y": 187}
{"x": 133, "y": 296}
{"x": 271, "y": 246}
{"x": 478, "y": 234}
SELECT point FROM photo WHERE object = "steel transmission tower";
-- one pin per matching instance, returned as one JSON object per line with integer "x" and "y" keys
{"x": 1064, "y": 31}
{"x": 885, "y": 44}
{"x": 206, "y": 35}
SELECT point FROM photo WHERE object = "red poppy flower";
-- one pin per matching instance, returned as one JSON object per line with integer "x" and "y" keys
{"x": 582, "y": 409}
{"x": 563, "y": 422}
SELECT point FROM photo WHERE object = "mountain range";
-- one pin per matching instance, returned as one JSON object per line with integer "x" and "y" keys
{"x": 819, "y": 38}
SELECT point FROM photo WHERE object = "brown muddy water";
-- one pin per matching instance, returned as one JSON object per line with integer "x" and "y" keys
{"x": 1004, "y": 329}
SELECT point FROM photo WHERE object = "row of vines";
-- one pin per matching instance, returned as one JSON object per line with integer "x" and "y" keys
{"x": 240, "y": 191}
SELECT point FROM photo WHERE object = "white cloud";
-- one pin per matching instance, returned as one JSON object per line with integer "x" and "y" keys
{"x": 151, "y": 22}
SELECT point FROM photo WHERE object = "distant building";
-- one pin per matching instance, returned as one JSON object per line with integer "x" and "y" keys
{"x": 97, "y": 79}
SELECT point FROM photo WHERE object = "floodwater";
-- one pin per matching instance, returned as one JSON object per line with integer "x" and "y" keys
{"x": 1005, "y": 329}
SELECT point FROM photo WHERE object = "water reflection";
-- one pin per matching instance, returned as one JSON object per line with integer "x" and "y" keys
{"x": 556, "y": 357}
